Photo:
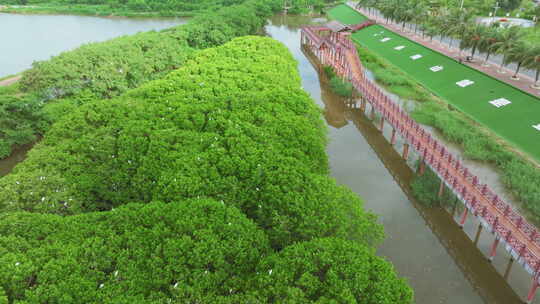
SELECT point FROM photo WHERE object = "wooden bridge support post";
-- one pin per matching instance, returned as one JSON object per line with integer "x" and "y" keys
{"x": 372, "y": 114}
{"x": 441, "y": 189}
{"x": 478, "y": 232}
{"x": 363, "y": 104}
{"x": 463, "y": 217}
{"x": 493, "y": 250}
{"x": 421, "y": 167}
{"x": 454, "y": 208}
{"x": 405, "y": 151}
{"x": 508, "y": 268}
{"x": 393, "y": 138}
{"x": 381, "y": 126}
{"x": 532, "y": 291}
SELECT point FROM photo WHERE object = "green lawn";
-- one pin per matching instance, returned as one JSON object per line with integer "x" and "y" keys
{"x": 346, "y": 15}
{"x": 514, "y": 122}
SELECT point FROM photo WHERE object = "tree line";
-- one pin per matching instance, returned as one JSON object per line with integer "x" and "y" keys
{"x": 209, "y": 185}
{"x": 512, "y": 43}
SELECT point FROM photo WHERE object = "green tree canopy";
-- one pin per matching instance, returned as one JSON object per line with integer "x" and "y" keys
{"x": 330, "y": 271}
{"x": 191, "y": 251}
{"x": 233, "y": 124}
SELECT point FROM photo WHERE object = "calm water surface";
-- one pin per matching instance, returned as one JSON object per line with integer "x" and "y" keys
{"x": 28, "y": 38}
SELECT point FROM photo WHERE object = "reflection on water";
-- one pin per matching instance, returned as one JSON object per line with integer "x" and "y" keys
{"x": 28, "y": 38}
{"x": 430, "y": 250}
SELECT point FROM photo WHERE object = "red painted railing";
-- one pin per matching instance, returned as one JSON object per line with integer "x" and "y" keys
{"x": 522, "y": 239}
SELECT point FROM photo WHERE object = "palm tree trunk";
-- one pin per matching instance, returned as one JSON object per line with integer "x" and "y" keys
{"x": 487, "y": 58}
{"x": 537, "y": 78}
{"x": 502, "y": 64}
{"x": 473, "y": 51}
{"x": 517, "y": 70}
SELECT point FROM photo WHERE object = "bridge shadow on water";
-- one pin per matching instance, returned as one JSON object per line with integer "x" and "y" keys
{"x": 484, "y": 278}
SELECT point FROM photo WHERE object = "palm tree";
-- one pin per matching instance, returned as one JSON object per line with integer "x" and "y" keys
{"x": 486, "y": 42}
{"x": 508, "y": 39}
{"x": 534, "y": 64}
{"x": 520, "y": 54}
{"x": 472, "y": 38}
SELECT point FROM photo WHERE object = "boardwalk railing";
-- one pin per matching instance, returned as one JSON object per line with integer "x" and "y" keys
{"x": 520, "y": 238}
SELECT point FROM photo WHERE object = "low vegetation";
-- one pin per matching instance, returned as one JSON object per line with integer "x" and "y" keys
{"x": 225, "y": 159}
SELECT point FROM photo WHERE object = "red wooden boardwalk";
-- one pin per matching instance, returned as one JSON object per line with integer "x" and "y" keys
{"x": 520, "y": 238}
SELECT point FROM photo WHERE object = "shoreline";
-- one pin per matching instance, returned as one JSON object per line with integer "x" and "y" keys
{"x": 90, "y": 10}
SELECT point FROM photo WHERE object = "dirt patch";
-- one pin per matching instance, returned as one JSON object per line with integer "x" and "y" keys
{"x": 9, "y": 81}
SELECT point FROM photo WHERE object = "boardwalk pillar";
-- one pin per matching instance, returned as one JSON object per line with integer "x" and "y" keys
{"x": 406, "y": 151}
{"x": 393, "y": 138}
{"x": 493, "y": 250}
{"x": 363, "y": 105}
{"x": 441, "y": 189}
{"x": 532, "y": 291}
{"x": 463, "y": 217}
{"x": 478, "y": 232}
{"x": 381, "y": 126}
{"x": 508, "y": 268}
{"x": 372, "y": 114}
{"x": 454, "y": 208}
{"x": 421, "y": 167}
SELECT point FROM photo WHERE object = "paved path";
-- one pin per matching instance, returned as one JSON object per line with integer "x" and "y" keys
{"x": 9, "y": 81}
{"x": 524, "y": 83}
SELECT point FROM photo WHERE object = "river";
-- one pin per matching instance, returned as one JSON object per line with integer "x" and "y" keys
{"x": 424, "y": 244}
{"x": 29, "y": 38}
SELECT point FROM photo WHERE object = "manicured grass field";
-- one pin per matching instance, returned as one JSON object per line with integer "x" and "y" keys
{"x": 346, "y": 15}
{"x": 514, "y": 121}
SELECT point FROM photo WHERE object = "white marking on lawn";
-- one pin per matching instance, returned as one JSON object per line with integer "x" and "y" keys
{"x": 415, "y": 57}
{"x": 436, "y": 68}
{"x": 464, "y": 83}
{"x": 501, "y": 102}
{"x": 399, "y": 48}
{"x": 537, "y": 127}
{"x": 385, "y": 39}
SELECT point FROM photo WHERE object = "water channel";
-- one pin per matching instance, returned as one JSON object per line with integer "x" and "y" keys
{"x": 28, "y": 38}
{"x": 440, "y": 262}
{"x": 426, "y": 246}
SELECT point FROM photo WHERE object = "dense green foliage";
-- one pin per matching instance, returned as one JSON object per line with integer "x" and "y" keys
{"x": 330, "y": 271}
{"x": 148, "y": 7}
{"x": 20, "y": 117}
{"x": 107, "y": 69}
{"x": 236, "y": 150}
{"x": 520, "y": 176}
{"x": 110, "y": 68}
{"x": 190, "y": 251}
{"x": 121, "y": 7}
{"x": 232, "y": 124}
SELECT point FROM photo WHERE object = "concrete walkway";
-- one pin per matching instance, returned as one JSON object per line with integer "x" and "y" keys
{"x": 524, "y": 82}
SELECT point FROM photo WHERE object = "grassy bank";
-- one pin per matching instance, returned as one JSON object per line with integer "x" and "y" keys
{"x": 520, "y": 176}
{"x": 94, "y": 10}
